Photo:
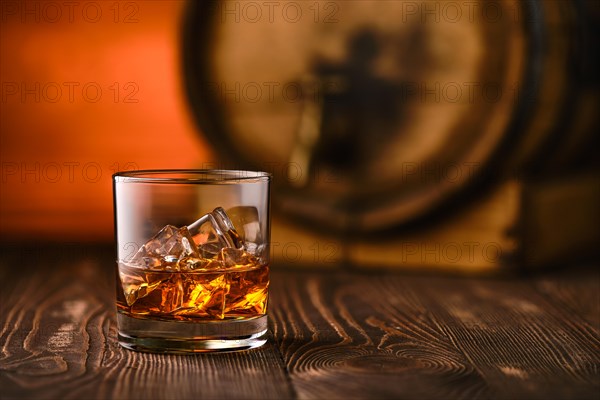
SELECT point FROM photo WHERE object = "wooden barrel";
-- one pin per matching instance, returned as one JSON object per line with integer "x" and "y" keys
{"x": 375, "y": 114}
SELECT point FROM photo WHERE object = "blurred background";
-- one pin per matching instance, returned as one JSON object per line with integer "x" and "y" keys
{"x": 88, "y": 89}
{"x": 432, "y": 135}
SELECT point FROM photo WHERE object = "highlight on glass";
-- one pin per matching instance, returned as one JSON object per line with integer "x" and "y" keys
{"x": 192, "y": 259}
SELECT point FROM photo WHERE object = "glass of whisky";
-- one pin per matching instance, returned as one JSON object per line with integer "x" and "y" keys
{"x": 192, "y": 259}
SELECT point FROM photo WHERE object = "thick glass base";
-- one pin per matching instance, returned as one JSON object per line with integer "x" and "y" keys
{"x": 180, "y": 337}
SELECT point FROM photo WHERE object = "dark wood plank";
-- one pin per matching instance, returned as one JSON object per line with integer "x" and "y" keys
{"x": 523, "y": 345}
{"x": 423, "y": 337}
{"x": 335, "y": 335}
{"x": 565, "y": 290}
{"x": 364, "y": 336}
{"x": 58, "y": 341}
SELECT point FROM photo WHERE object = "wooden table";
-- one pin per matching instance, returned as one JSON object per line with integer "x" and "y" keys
{"x": 334, "y": 335}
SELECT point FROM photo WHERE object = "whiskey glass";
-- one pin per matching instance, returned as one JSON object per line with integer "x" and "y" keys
{"x": 192, "y": 249}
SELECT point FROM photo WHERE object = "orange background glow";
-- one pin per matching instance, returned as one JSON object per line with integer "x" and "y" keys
{"x": 88, "y": 88}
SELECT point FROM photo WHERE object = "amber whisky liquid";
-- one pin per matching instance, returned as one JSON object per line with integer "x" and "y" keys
{"x": 237, "y": 292}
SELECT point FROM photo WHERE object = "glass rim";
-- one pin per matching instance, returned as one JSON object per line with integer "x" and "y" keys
{"x": 196, "y": 176}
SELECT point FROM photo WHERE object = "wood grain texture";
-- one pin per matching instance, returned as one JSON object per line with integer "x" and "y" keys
{"x": 333, "y": 335}
{"x": 525, "y": 346}
{"x": 357, "y": 337}
{"x": 566, "y": 291}
{"x": 58, "y": 341}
